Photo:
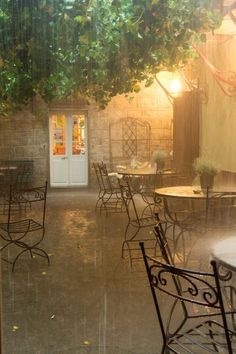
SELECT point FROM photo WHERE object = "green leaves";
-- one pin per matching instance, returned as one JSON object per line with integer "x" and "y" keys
{"x": 97, "y": 48}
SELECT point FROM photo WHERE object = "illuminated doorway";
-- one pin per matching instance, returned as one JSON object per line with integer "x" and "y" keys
{"x": 68, "y": 149}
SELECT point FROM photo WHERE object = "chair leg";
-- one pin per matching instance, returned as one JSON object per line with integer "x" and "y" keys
{"x": 164, "y": 349}
{"x": 32, "y": 251}
{"x": 126, "y": 244}
{"x": 211, "y": 334}
{"x": 44, "y": 253}
{"x": 17, "y": 257}
{"x": 126, "y": 232}
{"x": 6, "y": 245}
{"x": 99, "y": 200}
{"x": 123, "y": 248}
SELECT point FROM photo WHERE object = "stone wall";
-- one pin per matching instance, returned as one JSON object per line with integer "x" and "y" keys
{"x": 150, "y": 104}
{"x": 26, "y": 135}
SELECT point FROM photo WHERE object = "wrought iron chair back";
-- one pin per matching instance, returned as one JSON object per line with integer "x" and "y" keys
{"x": 23, "y": 199}
{"x": 109, "y": 197}
{"x": 96, "y": 166}
{"x": 136, "y": 222}
{"x": 128, "y": 198}
{"x": 203, "y": 290}
{"x": 225, "y": 275}
{"x": 105, "y": 179}
{"x": 218, "y": 204}
{"x": 26, "y": 215}
{"x": 167, "y": 255}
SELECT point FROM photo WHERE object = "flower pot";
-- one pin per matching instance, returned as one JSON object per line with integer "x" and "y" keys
{"x": 206, "y": 181}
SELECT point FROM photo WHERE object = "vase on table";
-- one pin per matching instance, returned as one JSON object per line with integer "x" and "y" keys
{"x": 206, "y": 181}
{"x": 160, "y": 165}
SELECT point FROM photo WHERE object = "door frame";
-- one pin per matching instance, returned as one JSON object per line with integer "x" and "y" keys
{"x": 68, "y": 111}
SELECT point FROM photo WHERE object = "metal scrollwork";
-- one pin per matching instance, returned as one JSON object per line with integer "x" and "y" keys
{"x": 189, "y": 286}
{"x": 224, "y": 274}
{"x": 29, "y": 195}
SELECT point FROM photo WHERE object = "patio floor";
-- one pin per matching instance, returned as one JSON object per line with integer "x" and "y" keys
{"x": 88, "y": 300}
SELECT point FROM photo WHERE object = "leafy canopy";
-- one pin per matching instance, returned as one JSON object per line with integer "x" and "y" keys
{"x": 94, "y": 48}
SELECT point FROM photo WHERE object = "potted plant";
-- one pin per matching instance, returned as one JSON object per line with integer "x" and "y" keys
{"x": 206, "y": 169}
{"x": 159, "y": 157}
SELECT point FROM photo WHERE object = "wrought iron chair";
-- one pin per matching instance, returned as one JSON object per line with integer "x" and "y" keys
{"x": 136, "y": 221}
{"x": 183, "y": 331}
{"x": 218, "y": 207}
{"x": 100, "y": 184}
{"x": 15, "y": 173}
{"x": 178, "y": 245}
{"x": 225, "y": 275}
{"x": 25, "y": 217}
{"x": 160, "y": 233}
{"x": 185, "y": 225}
{"x": 188, "y": 225}
{"x": 109, "y": 196}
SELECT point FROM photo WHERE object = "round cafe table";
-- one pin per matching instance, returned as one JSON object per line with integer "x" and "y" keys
{"x": 144, "y": 171}
{"x": 188, "y": 193}
{"x": 192, "y": 193}
{"x": 152, "y": 176}
{"x": 144, "y": 180}
{"x": 225, "y": 252}
{"x": 147, "y": 171}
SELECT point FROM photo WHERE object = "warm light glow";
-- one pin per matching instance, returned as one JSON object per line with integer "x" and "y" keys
{"x": 175, "y": 86}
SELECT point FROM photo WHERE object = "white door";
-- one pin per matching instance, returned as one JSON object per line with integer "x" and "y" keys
{"x": 68, "y": 150}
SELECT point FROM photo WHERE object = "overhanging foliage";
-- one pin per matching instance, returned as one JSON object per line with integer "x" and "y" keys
{"x": 97, "y": 48}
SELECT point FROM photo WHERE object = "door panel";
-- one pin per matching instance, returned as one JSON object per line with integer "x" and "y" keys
{"x": 69, "y": 156}
{"x": 60, "y": 172}
{"x": 78, "y": 150}
{"x": 59, "y": 160}
{"x": 59, "y": 135}
{"x": 78, "y": 174}
{"x": 78, "y": 135}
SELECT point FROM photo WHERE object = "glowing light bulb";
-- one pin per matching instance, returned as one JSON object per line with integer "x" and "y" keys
{"x": 175, "y": 86}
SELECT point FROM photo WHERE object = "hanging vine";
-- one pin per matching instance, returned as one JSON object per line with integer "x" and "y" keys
{"x": 95, "y": 48}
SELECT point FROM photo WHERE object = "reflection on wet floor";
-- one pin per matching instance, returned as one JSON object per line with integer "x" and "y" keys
{"x": 88, "y": 300}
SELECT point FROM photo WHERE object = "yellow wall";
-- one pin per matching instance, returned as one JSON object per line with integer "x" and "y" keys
{"x": 218, "y": 121}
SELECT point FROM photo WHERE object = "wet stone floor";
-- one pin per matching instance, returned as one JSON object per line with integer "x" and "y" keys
{"x": 88, "y": 300}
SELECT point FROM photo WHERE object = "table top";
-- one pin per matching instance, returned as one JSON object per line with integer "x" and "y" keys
{"x": 145, "y": 171}
{"x": 225, "y": 252}
{"x": 193, "y": 192}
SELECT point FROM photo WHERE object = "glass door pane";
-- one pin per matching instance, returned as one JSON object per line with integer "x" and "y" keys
{"x": 59, "y": 134}
{"x": 78, "y": 135}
